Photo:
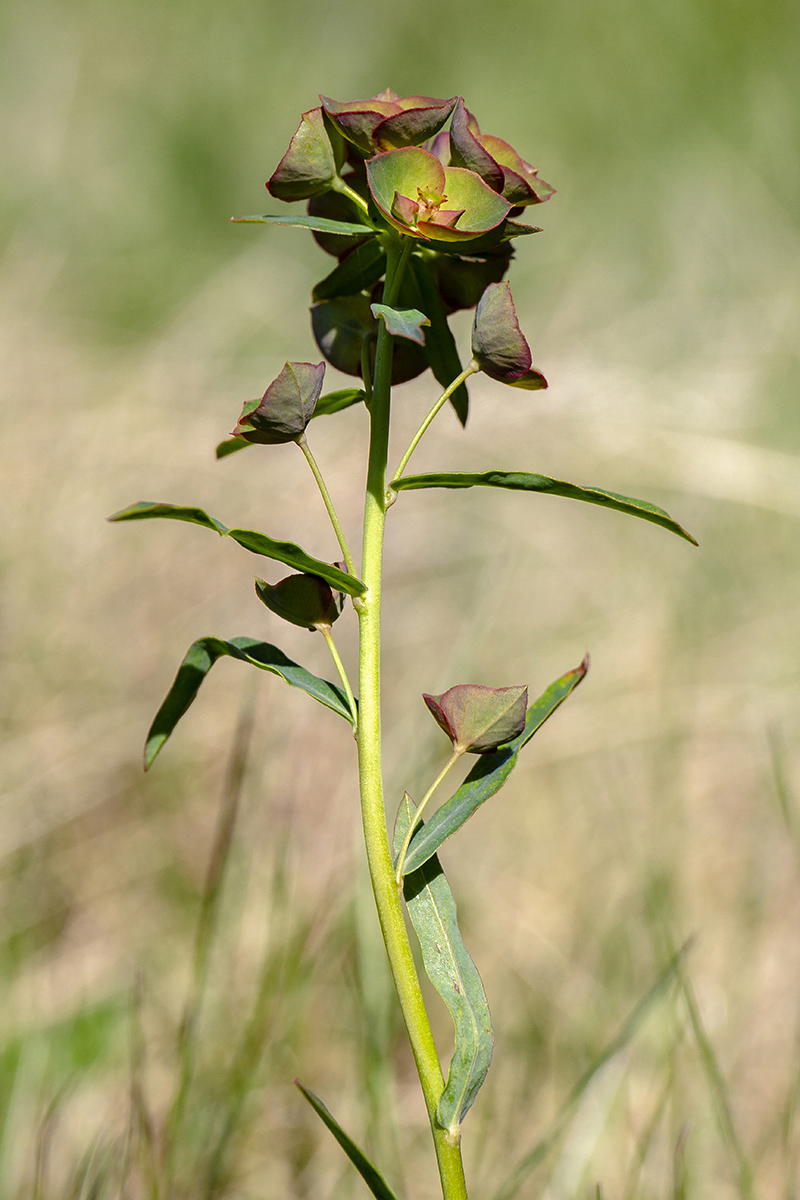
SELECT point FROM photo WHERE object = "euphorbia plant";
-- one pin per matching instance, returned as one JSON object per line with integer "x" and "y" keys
{"x": 420, "y": 221}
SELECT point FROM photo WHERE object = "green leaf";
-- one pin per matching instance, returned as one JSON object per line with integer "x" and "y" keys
{"x": 256, "y": 543}
{"x": 200, "y": 659}
{"x": 320, "y": 224}
{"x": 402, "y": 322}
{"x": 231, "y": 446}
{"x": 488, "y": 775}
{"x": 357, "y": 272}
{"x": 312, "y": 162}
{"x": 337, "y": 401}
{"x": 452, "y": 972}
{"x": 440, "y": 346}
{"x": 487, "y": 241}
{"x": 523, "y": 481}
{"x": 370, "y": 1174}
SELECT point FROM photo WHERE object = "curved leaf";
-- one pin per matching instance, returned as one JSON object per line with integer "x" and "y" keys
{"x": 369, "y": 1173}
{"x": 524, "y": 481}
{"x": 402, "y": 322}
{"x": 199, "y": 660}
{"x": 452, "y": 972}
{"x": 251, "y": 539}
{"x": 320, "y": 224}
{"x": 488, "y": 775}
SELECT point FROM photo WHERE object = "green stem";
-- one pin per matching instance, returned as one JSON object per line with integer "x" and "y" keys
{"x": 344, "y": 189}
{"x": 325, "y": 630}
{"x": 365, "y": 369}
{"x": 445, "y": 396}
{"x": 387, "y": 896}
{"x": 337, "y": 529}
{"x": 415, "y": 820}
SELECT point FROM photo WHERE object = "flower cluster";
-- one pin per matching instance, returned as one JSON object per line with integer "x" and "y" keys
{"x": 387, "y": 165}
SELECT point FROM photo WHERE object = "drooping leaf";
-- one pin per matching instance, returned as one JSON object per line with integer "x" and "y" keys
{"x": 524, "y": 481}
{"x": 304, "y": 600}
{"x": 251, "y": 539}
{"x": 285, "y": 409}
{"x": 231, "y": 446}
{"x": 402, "y": 322}
{"x": 488, "y": 775}
{"x": 199, "y": 660}
{"x": 312, "y": 162}
{"x": 440, "y": 346}
{"x": 357, "y": 272}
{"x": 478, "y": 719}
{"x": 503, "y": 232}
{"x": 452, "y": 972}
{"x": 369, "y": 1173}
{"x": 498, "y": 345}
{"x": 320, "y": 224}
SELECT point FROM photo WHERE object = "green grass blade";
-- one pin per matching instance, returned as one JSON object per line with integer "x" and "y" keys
{"x": 363, "y": 267}
{"x": 370, "y": 1174}
{"x": 488, "y": 775}
{"x": 250, "y": 539}
{"x": 200, "y": 659}
{"x": 619, "y": 1042}
{"x": 320, "y": 224}
{"x": 524, "y": 481}
{"x": 452, "y": 972}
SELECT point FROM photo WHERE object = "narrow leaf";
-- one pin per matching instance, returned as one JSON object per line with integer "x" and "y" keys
{"x": 523, "y": 481}
{"x": 257, "y": 543}
{"x": 200, "y": 659}
{"x": 488, "y": 775}
{"x": 357, "y": 272}
{"x": 452, "y": 972}
{"x": 370, "y": 1174}
{"x": 402, "y": 322}
{"x": 440, "y": 346}
{"x": 320, "y": 224}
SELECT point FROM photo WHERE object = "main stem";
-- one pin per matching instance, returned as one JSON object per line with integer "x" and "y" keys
{"x": 384, "y": 886}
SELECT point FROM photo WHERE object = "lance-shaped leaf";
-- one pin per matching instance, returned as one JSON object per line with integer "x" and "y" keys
{"x": 251, "y": 539}
{"x": 422, "y": 198}
{"x": 286, "y": 407}
{"x": 388, "y": 121}
{"x": 504, "y": 232}
{"x": 200, "y": 659}
{"x": 402, "y": 322}
{"x": 336, "y": 206}
{"x": 524, "y": 481}
{"x": 440, "y": 346}
{"x": 318, "y": 224}
{"x": 369, "y": 1173}
{"x": 494, "y": 160}
{"x": 326, "y": 405}
{"x": 478, "y": 719}
{"x": 488, "y": 775}
{"x": 497, "y": 342}
{"x": 357, "y": 272}
{"x": 304, "y": 600}
{"x": 312, "y": 162}
{"x": 452, "y": 972}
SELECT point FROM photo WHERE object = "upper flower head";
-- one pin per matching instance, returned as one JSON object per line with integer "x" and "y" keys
{"x": 497, "y": 163}
{"x": 388, "y": 121}
{"x": 418, "y": 195}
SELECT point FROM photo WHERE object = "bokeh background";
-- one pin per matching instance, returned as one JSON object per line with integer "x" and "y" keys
{"x": 662, "y": 302}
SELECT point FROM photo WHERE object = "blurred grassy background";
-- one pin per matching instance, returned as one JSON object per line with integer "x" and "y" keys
{"x": 662, "y": 301}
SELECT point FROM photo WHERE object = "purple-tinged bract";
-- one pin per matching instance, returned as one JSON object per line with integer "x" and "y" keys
{"x": 497, "y": 163}
{"x": 498, "y": 345}
{"x": 387, "y": 121}
{"x": 285, "y": 409}
{"x": 478, "y": 719}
